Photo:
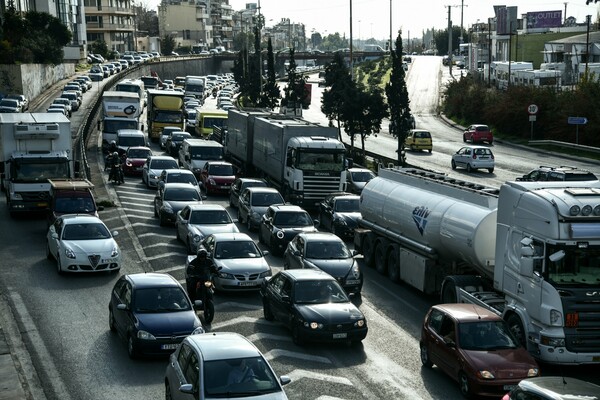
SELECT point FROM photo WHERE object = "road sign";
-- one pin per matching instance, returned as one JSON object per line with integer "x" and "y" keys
{"x": 532, "y": 109}
{"x": 577, "y": 120}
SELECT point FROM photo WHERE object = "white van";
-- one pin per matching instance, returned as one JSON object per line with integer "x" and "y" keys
{"x": 127, "y": 138}
{"x": 194, "y": 153}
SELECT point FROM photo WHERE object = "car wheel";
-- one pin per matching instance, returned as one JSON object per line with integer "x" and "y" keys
{"x": 168, "y": 391}
{"x": 111, "y": 320}
{"x": 516, "y": 327}
{"x": 425, "y": 360}
{"x": 465, "y": 387}
{"x": 453, "y": 164}
{"x": 469, "y": 168}
{"x": 131, "y": 350}
{"x": 267, "y": 311}
{"x": 465, "y": 138}
{"x": 296, "y": 335}
{"x": 491, "y": 170}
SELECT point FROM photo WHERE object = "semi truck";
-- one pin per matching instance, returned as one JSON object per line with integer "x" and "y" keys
{"x": 165, "y": 108}
{"x": 120, "y": 110}
{"x": 35, "y": 147}
{"x": 194, "y": 86}
{"x": 304, "y": 160}
{"x": 528, "y": 251}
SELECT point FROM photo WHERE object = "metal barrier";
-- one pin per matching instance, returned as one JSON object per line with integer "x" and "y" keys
{"x": 566, "y": 145}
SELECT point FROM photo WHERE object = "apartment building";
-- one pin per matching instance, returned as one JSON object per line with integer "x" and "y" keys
{"x": 112, "y": 21}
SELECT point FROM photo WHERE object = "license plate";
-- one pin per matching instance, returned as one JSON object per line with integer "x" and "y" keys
{"x": 42, "y": 204}
{"x": 352, "y": 282}
{"x": 509, "y": 387}
{"x": 246, "y": 284}
{"x": 171, "y": 346}
{"x": 596, "y": 359}
{"x": 340, "y": 335}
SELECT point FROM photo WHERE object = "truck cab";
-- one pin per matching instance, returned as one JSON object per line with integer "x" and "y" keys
{"x": 71, "y": 196}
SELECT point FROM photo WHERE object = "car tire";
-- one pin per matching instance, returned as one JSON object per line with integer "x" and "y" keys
{"x": 469, "y": 168}
{"x": 168, "y": 391}
{"x": 464, "y": 385}
{"x": 425, "y": 360}
{"x": 131, "y": 350}
{"x": 453, "y": 164}
{"x": 465, "y": 138}
{"x": 267, "y": 312}
{"x": 491, "y": 170}
{"x": 111, "y": 320}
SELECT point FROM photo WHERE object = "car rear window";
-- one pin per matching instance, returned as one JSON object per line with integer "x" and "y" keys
{"x": 482, "y": 128}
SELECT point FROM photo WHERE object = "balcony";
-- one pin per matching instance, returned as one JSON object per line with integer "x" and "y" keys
{"x": 201, "y": 16}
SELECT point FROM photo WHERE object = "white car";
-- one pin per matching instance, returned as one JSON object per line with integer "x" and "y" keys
{"x": 81, "y": 243}
{"x": 473, "y": 157}
{"x": 195, "y": 222}
{"x": 153, "y": 167}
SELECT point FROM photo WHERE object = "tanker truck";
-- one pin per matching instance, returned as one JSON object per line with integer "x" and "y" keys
{"x": 302, "y": 159}
{"x": 529, "y": 251}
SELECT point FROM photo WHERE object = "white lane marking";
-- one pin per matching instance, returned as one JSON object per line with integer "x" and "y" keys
{"x": 155, "y": 235}
{"x": 239, "y": 320}
{"x": 164, "y": 255}
{"x": 267, "y": 336}
{"x": 135, "y": 195}
{"x": 131, "y": 211}
{"x": 275, "y": 353}
{"x": 298, "y": 374}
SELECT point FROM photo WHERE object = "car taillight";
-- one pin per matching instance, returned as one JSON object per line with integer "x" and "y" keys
{"x": 492, "y": 156}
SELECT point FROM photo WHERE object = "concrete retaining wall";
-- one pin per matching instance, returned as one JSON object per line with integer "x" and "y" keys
{"x": 32, "y": 79}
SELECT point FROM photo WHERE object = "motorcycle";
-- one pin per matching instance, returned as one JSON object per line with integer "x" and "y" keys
{"x": 116, "y": 174}
{"x": 205, "y": 292}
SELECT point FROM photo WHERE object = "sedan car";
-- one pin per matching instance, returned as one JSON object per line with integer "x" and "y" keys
{"x": 357, "y": 178}
{"x": 217, "y": 177}
{"x": 64, "y": 102}
{"x": 166, "y": 134}
{"x": 478, "y": 133}
{"x": 82, "y": 243}
{"x": 176, "y": 176}
{"x": 172, "y": 199}
{"x": 313, "y": 306}
{"x": 339, "y": 213}
{"x": 196, "y": 222}
{"x": 10, "y": 105}
{"x": 327, "y": 252}
{"x": 475, "y": 347}
{"x": 254, "y": 202}
{"x": 281, "y": 223}
{"x": 22, "y": 100}
{"x": 221, "y": 365}
{"x": 553, "y": 388}
{"x": 135, "y": 157}
{"x": 241, "y": 264}
{"x": 562, "y": 173}
{"x": 238, "y": 187}
{"x": 473, "y": 157}
{"x": 152, "y": 313}
{"x": 153, "y": 167}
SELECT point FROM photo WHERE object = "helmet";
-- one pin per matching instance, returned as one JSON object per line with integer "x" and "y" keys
{"x": 113, "y": 143}
{"x": 115, "y": 154}
{"x": 202, "y": 253}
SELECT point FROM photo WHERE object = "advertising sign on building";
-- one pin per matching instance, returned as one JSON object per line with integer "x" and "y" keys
{"x": 544, "y": 19}
{"x": 506, "y": 20}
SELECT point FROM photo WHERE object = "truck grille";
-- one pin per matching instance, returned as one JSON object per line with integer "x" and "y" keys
{"x": 317, "y": 187}
{"x": 584, "y": 337}
{"x": 35, "y": 196}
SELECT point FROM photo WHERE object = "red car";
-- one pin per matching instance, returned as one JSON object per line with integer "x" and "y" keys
{"x": 134, "y": 160}
{"x": 478, "y": 133}
{"x": 475, "y": 347}
{"x": 217, "y": 176}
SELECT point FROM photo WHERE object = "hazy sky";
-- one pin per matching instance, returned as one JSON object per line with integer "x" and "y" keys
{"x": 371, "y": 18}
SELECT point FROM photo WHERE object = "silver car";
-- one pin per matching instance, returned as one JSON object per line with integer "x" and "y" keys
{"x": 195, "y": 222}
{"x": 254, "y": 202}
{"x": 221, "y": 365}
{"x": 473, "y": 157}
{"x": 153, "y": 166}
{"x": 241, "y": 264}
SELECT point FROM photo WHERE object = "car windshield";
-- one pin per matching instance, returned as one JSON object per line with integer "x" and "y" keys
{"x": 162, "y": 299}
{"x": 319, "y": 292}
{"x": 266, "y": 199}
{"x": 130, "y": 141}
{"x": 283, "y": 219}
{"x": 362, "y": 176}
{"x": 85, "y": 231}
{"x": 74, "y": 205}
{"x": 236, "y": 249}
{"x": 485, "y": 336}
{"x": 221, "y": 170}
{"x": 181, "y": 194}
{"x": 239, "y": 377}
{"x": 346, "y": 205}
{"x": 248, "y": 184}
{"x": 181, "y": 178}
{"x": 179, "y": 137}
{"x": 327, "y": 250}
{"x": 210, "y": 217}
{"x": 164, "y": 164}
{"x": 139, "y": 153}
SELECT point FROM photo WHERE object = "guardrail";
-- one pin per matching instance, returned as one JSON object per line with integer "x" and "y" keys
{"x": 565, "y": 145}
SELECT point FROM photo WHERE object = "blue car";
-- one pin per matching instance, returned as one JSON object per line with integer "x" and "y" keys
{"x": 152, "y": 313}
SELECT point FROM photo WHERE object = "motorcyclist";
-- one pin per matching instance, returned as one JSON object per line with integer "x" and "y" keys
{"x": 115, "y": 164}
{"x": 112, "y": 147}
{"x": 198, "y": 270}
{"x": 214, "y": 93}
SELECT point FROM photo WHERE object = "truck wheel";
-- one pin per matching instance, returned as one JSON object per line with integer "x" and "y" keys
{"x": 381, "y": 256}
{"x": 368, "y": 248}
{"x": 516, "y": 327}
{"x": 448, "y": 294}
{"x": 393, "y": 267}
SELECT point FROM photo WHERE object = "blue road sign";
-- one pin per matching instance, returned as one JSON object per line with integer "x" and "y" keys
{"x": 577, "y": 120}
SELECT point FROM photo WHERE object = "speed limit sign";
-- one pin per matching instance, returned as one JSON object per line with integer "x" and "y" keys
{"x": 532, "y": 109}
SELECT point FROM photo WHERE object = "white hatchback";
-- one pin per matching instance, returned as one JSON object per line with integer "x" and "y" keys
{"x": 474, "y": 157}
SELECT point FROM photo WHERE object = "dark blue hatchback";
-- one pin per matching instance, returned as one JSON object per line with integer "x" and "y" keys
{"x": 152, "y": 312}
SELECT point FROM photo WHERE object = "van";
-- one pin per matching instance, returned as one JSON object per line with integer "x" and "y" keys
{"x": 127, "y": 138}
{"x": 194, "y": 153}
{"x": 207, "y": 119}
{"x": 419, "y": 139}
{"x": 71, "y": 196}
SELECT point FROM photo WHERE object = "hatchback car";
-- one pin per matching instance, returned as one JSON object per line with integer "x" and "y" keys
{"x": 327, "y": 252}
{"x": 172, "y": 199}
{"x": 238, "y": 187}
{"x": 313, "y": 305}
{"x": 152, "y": 313}
{"x": 217, "y": 177}
{"x": 82, "y": 243}
{"x": 553, "y": 388}
{"x": 196, "y": 222}
{"x": 478, "y": 133}
{"x": 166, "y": 134}
{"x": 475, "y": 347}
{"x": 339, "y": 213}
{"x": 22, "y": 100}
{"x": 10, "y": 105}
{"x": 241, "y": 264}
{"x": 357, "y": 179}
{"x": 472, "y": 158}
{"x": 64, "y": 102}
{"x": 174, "y": 141}
{"x": 419, "y": 139}
{"x": 254, "y": 202}
{"x": 153, "y": 167}
{"x": 135, "y": 157}
{"x": 221, "y": 365}
{"x": 562, "y": 173}
{"x": 281, "y": 223}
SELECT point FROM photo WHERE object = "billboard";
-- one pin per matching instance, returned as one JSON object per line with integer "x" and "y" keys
{"x": 506, "y": 20}
{"x": 544, "y": 19}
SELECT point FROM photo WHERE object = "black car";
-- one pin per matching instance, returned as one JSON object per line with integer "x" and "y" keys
{"x": 562, "y": 173}
{"x": 339, "y": 213}
{"x": 238, "y": 187}
{"x": 281, "y": 223}
{"x": 174, "y": 143}
{"x": 152, "y": 313}
{"x": 313, "y": 306}
{"x": 172, "y": 199}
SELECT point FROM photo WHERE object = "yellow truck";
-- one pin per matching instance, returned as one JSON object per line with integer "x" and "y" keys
{"x": 207, "y": 119}
{"x": 165, "y": 108}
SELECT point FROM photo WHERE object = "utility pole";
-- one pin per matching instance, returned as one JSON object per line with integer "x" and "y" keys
{"x": 462, "y": 6}
{"x": 390, "y": 49}
{"x": 587, "y": 45}
{"x": 565, "y": 20}
{"x": 449, "y": 41}
{"x": 351, "y": 60}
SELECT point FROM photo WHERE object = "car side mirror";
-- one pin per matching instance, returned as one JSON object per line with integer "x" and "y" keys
{"x": 297, "y": 253}
{"x": 204, "y": 197}
{"x": 265, "y": 252}
{"x": 316, "y": 222}
{"x": 284, "y": 380}
{"x": 285, "y": 298}
{"x": 121, "y": 307}
{"x": 354, "y": 253}
{"x": 115, "y": 233}
{"x": 187, "y": 388}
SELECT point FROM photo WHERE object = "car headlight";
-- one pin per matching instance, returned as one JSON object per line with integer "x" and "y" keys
{"x": 211, "y": 181}
{"x": 485, "y": 374}
{"x": 145, "y": 335}
{"x": 340, "y": 221}
{"x": 16, "y": 196}
{"x": 354, "y": 271}
{"x": 69, "y": 253}
{"x": 167, "y": 208}
{"x": 128, "y": 164}
{"x": 196, "y": 170}
{"x": 533, "y": 372}
{"x": 313, "y": 325}
{"x": 266, "y": 273}
{"x": 556, "y": 318}
{"x": 198, "y": 330}
{"x": 197, "y": 238}
{"x": 280, "y": 234}
{"x": 153, "y": 176}
{"x": 225, "y": 275}
{"x": 114, "y": 252}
